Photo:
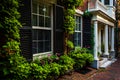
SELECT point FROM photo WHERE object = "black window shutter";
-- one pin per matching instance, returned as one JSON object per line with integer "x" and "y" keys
{"x": 25, "y": 11}
{"x": 26, "y": 30}
{"x": 87, "y": 32}
{"x": 26, "y": 43}
{"x": 58, "y": 29}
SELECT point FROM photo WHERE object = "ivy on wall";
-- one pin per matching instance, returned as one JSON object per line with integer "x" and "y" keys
{"x": 69, "y": 21}
{"x": 9, "y": 27}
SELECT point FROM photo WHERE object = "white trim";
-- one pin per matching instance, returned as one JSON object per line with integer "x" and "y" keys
{"x": 38, "y": 54}
{"x": 50, "y": 28}
{"x": 78, "y": 11}
{"x": 101, "y": 19}
{"x": 44, "y": 28}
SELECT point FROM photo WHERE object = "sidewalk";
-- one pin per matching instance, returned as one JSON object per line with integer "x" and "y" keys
{"x": 110, "y": 73}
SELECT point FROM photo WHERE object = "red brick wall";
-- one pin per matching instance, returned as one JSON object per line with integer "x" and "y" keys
{"x": 84, "y": 5}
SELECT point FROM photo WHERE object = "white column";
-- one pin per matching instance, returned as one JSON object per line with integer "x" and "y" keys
{"x": 112, "y": 40}
{"x": 96, "y": 40}
{"x": 111, "y": 2}
{"x": 99, "y": 40}
{"x": 106, "y": 40}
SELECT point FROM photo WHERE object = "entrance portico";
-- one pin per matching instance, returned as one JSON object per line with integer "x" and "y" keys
{"x": 103, "y": 39}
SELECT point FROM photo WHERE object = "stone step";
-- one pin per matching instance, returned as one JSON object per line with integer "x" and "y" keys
{"x": 103, "y": 61}
{"x": 108, "y": 63}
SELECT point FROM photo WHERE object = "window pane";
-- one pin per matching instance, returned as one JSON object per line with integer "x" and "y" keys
{"x": 34, "y": 22}
{"x": 41, "y": 9}
{"x": 34, "y": 35}
{"x": 47, "y": 22}
{"x": 114, "y": 3}
{"x": 40, "y": 47}
{"x": 43, "y": 41}
{"x": 40, "y": 35}
{"x": 41, "y": 21}
{"x": 47, "y": 46}
{"x": 79, "y": 27}
{"x": 107, "y": 2}
{"x": 34, "y": 47}
{"x": 77, "y": 19}
{"x": 78, "y": 23}
{"x": 48, "y": 10}
{"x": 77, "y": 39}
{"x": 34, "y": 8}
{"x": 47, "y": 35}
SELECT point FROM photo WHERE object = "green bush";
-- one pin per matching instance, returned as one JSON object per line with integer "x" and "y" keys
{"x": 54, "y": 71}
{"x": 39, "y": 72}
{"x": 82, "y": 57}
{"x": 66, "y": 63}
{"x": 89, "y": 58}
{"x": 79, "y": 61}
{"x": 17, "y": 68}
{"x": 81, "y": 50}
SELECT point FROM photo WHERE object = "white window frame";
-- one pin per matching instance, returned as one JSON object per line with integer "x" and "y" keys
{"x": 81, "y": 30}
{"x": 44, "y": 28}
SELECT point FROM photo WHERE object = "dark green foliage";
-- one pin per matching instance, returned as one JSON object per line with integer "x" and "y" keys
{"x": 9, "y": 27}
{"x": 19, "y": 67}
{"x": 39, "y": 72}
{"x": 88, "y": 58}
{"x": 70, "y": 44}
{"x": 15, "y": 68}
{"x": 82, "y": 57}
{"x": 49, "y": 59}
{"x": 69, "y": 21}
{"x": 66, "y": 63}
{"x": 55, "y": 69}
{"x": 87, "y": 14}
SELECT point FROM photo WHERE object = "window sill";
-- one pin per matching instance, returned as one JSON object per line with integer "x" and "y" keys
{"x": 41, "y": 55}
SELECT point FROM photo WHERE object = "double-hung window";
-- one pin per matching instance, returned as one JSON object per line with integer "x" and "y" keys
{"x": 42, "y": 29}
{"x": 107, "y": 2}
{"x": 78, "y": 31}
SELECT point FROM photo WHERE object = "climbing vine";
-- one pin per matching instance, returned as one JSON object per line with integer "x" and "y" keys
{"x": 9, "y": 27}
{"x": 69, "y": 21}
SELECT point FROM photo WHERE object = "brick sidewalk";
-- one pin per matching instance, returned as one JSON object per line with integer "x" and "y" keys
{"x": 111, "y": 73}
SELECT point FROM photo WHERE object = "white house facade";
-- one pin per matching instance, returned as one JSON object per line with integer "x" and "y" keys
{"x": 103, "y": 21}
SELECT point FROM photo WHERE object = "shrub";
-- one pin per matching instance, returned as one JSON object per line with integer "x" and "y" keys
{"x": 89, "y": 58}
{"x": 54, "y": 71}
{"x": 66, "y": 63}
{"x": 79, "y": 61}
{"x": 48, "y": 60}
{"x": 37, "y": 61}
{"x": 82, "y": 57}
{"x": 17, "y": 68}
{"x": 39, "y": 72}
